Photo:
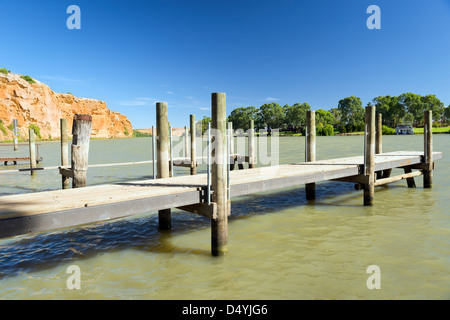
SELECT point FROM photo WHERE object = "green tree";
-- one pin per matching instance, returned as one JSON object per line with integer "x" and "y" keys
{"x": 205, "y": 122}
{"x": 270, "y": 115}
{"x": 447, "y": 114}
{"x": 391, "y": 109}
{"x": 352, "y": 113}
{"x": 337, "y": 116}
{"x": 408, "y": 119}
{"x": 325, "y": 117}
{"x": 241, "y": 117}
{"x": 413, "y": 105}
{"x": 295, "y": 116}
{"x": 431, "y": 102}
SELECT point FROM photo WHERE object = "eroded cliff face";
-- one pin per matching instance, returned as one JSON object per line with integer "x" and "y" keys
{"x": 37, "y": 104}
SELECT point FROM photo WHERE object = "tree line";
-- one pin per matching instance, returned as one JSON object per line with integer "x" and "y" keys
{"x": 348, "y": 116}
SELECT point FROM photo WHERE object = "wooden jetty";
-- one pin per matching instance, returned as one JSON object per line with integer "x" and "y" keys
{"x": 14, "y": 160}
{"x": 210, "y": 194}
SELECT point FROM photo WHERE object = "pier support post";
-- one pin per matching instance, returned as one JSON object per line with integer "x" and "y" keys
{"x": 310, "y": 188}
{"x": 15, "y": 134}
{"x": 219, "y": 223}
{"x": 32, "y": 147}
{"x": 231, "y": 155}
{"x": 378, "y": 140}
{"x": 162, "y": 147}
{"x": 379, "y": 135}
{"x": 251, "y": 146}
{"x": 428, "y": 149}
{"x": 64, "y": 151}
{"x": 369, "y": 157}
{"x": 81, "y": 131}
{"x": 186, "y": 142}
{"x": 193, "y": 145}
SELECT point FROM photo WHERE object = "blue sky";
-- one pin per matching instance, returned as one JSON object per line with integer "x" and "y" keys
{"x": 134, "y": 53}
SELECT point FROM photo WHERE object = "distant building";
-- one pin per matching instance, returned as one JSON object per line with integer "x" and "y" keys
{"x": 404, "y": 130}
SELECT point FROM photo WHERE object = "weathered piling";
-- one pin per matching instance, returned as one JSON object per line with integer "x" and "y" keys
{"x": 64, "y": 151}
{"x": 379, "y": 140}
{"x": 369, "y": 156}
{"x": 193, "y": 145}
{"x": 81, "y": 131}
{"x": 251, "y": 146}
{"x": 231, "y": 146}
{"x": 15, "y": 134}
{"x": 310, "y": 188}
{"x": 379, "y": 134}
{"x": 428, "y": 149}
{"x": 32, "y": 147}
{"x": 186, "y": 142}
{"x": 154, "y": 152}
{"x": 162, "y": 147}
{"x": 219, "y": 222}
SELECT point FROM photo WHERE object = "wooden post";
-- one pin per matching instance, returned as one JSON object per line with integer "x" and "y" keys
{"x": 219, "y": 224}
{"x": 64, "y": 151}
{"x": 15, "y": 134}
{"x": 193, "y": 145}
{"x": 251, "y": 146}
{"x": 378, "y": 140}
{"x": 369, "y": 158}
{"x": 162, "y": 147}
{"x": 81, "y": 131}
{"x": 32, "y": 146}
{"x": 231, "y": 133}
{"x": 171, "y": 152}
{"x": 310, "y": 188}
{"x": 428, "y": 149}
{"x": 379, "y": 135}
{"x": 154, "y": 151}
{"x": 186, "y": 142}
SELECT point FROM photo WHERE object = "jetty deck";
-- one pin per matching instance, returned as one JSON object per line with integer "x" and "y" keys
{"x": 49, "y": 210}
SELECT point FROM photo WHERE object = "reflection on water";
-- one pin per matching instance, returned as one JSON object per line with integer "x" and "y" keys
{"x": 280, "y": 245}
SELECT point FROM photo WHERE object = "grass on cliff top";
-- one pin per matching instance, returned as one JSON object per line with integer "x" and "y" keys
{"x": 28, "y": 79}
{"x": 4, "y": 71}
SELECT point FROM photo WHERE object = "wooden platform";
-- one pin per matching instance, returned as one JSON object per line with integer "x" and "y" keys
{"x": 16, "y": 159}
{"x": 44, "y": 211}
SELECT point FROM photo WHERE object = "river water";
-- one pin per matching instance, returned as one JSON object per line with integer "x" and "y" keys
{"x": 280, "y": 246}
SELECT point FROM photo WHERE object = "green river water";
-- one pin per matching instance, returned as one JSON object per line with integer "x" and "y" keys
{"x": 280, "y": 245}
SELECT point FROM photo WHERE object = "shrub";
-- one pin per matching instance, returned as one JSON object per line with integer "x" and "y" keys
{"x": 2, "y": 127}
{"x": 319, "y": 130}
{"x": 36, "y": 129}
{"x": 125, "y": 131}
{"x": 387, "y": 131}
{"x": 4, "y": 70}
{"x": 138, "y": 134}
{"x": 28, "y": 79}
{"x": 328, "y": 130}
{"x": 342, "y": 129}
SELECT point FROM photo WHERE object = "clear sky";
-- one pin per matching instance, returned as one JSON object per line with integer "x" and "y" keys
{"x": 134, "y": 53}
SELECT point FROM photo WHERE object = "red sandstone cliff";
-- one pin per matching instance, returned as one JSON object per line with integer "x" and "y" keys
{"x": 37, "y": 104}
